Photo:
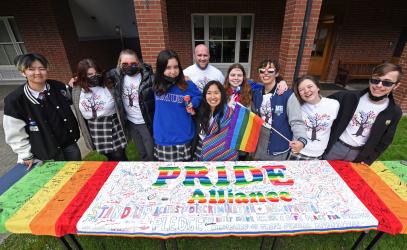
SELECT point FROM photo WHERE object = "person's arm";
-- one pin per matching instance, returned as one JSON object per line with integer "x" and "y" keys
{"x": 17, "y": 138}
{"x": 295, "y": 119}
{"x": 384, "y": 142}
{"x": 196, "y": 95}
{"x": 281, "y": 87}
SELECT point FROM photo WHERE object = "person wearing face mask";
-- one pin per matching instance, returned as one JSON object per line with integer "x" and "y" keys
{"x": 367, "y": 119}
{"x": 97, "y": 113}
{"x": 134, "y": 98}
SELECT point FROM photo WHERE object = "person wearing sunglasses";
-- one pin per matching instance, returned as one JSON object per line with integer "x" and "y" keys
{"x": 134, "y": 97}
{"x": 284, "y": 129}
{"x": 367, "y": 119}
{"x": 96, "y": 112}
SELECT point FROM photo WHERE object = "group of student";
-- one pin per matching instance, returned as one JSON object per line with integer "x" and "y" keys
{"x": 183, "y": 115}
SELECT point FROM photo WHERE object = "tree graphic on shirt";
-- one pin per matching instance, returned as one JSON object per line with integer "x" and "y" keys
{"x": 364, "y": 120}
{"x": 131, "y": 94}
{"x": 93, "y": 103}
{"x": 315, "y": 123}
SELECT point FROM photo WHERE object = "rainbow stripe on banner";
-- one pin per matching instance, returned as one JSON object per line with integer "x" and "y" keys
{"x": 57, "y": 197}
{"x": 244, "y": 130}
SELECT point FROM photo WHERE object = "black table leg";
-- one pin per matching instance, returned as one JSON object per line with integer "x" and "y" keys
{"x": 163, "y": 245}
{"x": 74, "y": 242}
{"x": 262, "y": 242}
{"x": 275, "y": 243}
{"x": 357, "y": 243}
{"x": 174, "y": 243}
{"x": 373, "y": 243}
{"x": 64, "y": 243}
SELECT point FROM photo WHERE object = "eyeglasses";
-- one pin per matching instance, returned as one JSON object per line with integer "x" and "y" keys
{"x": 129, "y": 64}
{"x": 384, "y": 82}
{"x": 269, "y": 71}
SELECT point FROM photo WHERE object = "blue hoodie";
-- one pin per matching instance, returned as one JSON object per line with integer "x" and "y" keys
{"x": 172, "y": 124}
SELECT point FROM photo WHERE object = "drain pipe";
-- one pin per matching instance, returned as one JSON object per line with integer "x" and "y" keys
{"x": 303, "y": 38}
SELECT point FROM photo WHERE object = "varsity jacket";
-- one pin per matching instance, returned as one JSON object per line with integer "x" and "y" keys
{"x": 76, "y": 94}
{"x": 27, "y": 131}
{"x": 286, "y": 118}
{"x": 381, "y": 133}
{"x": 145, "y": 93}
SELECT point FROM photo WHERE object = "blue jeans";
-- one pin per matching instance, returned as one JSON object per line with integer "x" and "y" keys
{"x": 69, "y": 153}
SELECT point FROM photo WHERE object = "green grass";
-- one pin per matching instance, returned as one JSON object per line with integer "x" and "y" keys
{"x": 397, "y": 151}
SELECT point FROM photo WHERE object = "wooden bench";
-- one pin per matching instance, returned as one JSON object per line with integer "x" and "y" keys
{"x": 351, "y": 70}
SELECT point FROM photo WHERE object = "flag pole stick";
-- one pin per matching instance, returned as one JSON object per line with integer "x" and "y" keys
{"x": 275, "y": 130}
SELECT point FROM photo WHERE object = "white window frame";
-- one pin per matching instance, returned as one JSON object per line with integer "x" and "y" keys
{"x": 224, "y": 66}
{"x": 9, "y": 72}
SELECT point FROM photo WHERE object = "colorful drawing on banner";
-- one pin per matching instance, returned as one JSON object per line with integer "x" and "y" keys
{"x": 164, "y": 199}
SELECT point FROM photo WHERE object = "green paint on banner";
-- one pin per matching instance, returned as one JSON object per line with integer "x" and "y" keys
{"x": 398, "y": 169}
{"x": 16, "y": 196}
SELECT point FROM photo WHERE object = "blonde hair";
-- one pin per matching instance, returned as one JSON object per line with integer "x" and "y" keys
{"x": 126, "y": 52}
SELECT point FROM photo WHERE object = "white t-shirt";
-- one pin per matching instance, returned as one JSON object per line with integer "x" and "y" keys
{"x": 130, "y": 97}
{"x": 202, "y": 77}
{"x": 96, "y": 103}
{"x": 358, "y": 130}
{"x": 318, "y": 119}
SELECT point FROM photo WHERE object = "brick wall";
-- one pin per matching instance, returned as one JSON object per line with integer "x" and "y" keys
{"x": 365, "y": 29}
{"x": 268, "y": 21}
{"x": 401, "y": 92}
{"x": 152, "y": 28}
{"x": 36, "y": 21}
{"x": 290, "y": 40}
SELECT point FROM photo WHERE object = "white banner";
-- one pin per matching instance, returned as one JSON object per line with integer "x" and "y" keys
{"x": 224, "y": 198}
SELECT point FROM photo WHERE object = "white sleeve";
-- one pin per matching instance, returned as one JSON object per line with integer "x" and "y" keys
{"x": 17, "y": 137}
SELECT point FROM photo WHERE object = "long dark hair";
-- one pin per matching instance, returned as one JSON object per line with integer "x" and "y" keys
{"x": 246, "y": 90}
{"x": 205, "y": 109}
{"x": 160, "y": 85}
{"x": 82, "y": 72}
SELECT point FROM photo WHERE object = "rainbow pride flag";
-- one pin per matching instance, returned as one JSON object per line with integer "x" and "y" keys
{"x": 244, "y": 130}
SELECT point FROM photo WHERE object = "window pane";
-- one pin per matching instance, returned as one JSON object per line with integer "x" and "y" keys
{"x": 319, "y": 42}
{"x": 229, "y": 27}
{"x": 199, "y": 42}
{"x": 215, "y": 50}
{"x": 199, "y": 27}
{"x": 246, "y": 27}
{"x": 23, "y": 49}
{"x": 228, "y": 52}
{"x": 16, "y": 33}
{"x": 244, "y": 52}
{"x": 10, "y": 51}
{"x": 215, "y": 28}
{"x": 3, "y": 56}
{"x": 4, "y": 37}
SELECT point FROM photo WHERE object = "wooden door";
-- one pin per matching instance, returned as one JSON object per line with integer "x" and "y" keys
{"x": 321, "y": 50}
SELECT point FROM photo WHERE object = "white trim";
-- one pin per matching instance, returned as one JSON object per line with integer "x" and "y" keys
{"x": 222, "y": 66}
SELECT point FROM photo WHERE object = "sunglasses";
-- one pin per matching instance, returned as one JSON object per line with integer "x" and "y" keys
{"x": 384, "y": 82}
{"x": 264, "y": 71}
{"x": 129, "y": 64}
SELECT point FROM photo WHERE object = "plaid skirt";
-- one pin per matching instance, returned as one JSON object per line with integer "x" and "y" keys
{"x": 182, "y": 152}
{"x": 107, "y": 134}
{"x": 301, "y": 157}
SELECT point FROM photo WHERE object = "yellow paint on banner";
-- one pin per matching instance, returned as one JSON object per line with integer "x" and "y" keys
{"x": 247, "y": 132}
{"x": 392, "y": 180}
{"x": 20, "y": 221}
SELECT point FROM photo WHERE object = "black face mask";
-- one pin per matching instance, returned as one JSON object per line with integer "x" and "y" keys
{"x": 95, "y": 80}
{"x": 375, "y": 98}
{"x": 171, "y": 80}
{"x": 131, "y": 70}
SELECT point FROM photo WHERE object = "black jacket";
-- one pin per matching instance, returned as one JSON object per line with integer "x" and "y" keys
{"x": 381, "y": 133}
{"x": 26, "y": 129}
{"x": 145, "y": 93}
